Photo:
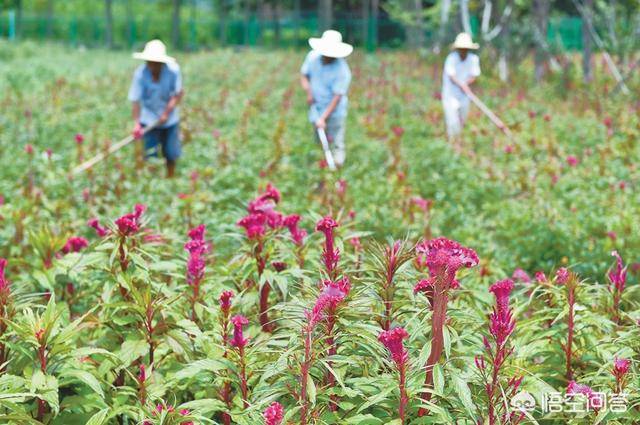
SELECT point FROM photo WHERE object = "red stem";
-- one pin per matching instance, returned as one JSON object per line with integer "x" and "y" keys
{"x": 403, "y": 392}
{"x": 440, "y": 299}
{"x": 264, "y": 306}
{"x": 569, "y": 346}
{"x": 243, "y": 379}
{"x": 304, "y": 375}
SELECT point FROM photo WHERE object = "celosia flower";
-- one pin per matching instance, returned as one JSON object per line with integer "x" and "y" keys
{"x": 334, "y": 292}
{"x": 541, "y": 277}
{"x": 392, "y": 340}
{"x": 594, "y": 399}
{"x": 273, "y": 414}
{"x": 501, "y": 323}
{"x": 620, "y": 367}
{"x": 444, "y": 257}
{"x": 572, "y": 161}
{"x": 297, "y": 234}
{"x": 562, "y": 275}
{"x": 520, "y": 275}
{"x": 238, "y": 339}
{"x": 196, "y": 245}
{"x": 355, "y": 243}
{"x": 28, "y": 148}
{"x": 423, "y": 204}
{"x": 618, "y": 275}
{"x": 195, "y": 269}
{"x": 330, "y": 255}
{"x": 279, "y": 266}
{"x": 101, "y": 231}
{"x": 79, "y": 138}
{"x": 225, "y": 301}
{"x": 398, "y": 131}
{"x": 129, "y": 224}
{"x": 142, "y": 375}
{"x": 253, "y": 225}
{"x": 4, "y": 283}
{"x": 74, "y": 244}
{"x": 425, "y": 286}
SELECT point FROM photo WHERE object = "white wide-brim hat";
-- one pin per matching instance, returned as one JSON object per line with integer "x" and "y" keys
{"x": 464, "y": 41}
{"x": 154, "y": 51}
{"x": 331, "y": 45}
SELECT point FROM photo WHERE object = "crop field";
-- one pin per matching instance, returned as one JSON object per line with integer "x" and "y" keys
{"x": 425, "y": 282}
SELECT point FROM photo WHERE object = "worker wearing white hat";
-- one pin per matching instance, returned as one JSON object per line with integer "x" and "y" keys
{"x": 155, "y": 92}
{"x": 461, "y": 68}
{"x": 325, "y": 77}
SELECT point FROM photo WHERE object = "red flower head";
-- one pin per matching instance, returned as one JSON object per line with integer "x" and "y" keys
{"x": 392, "y": 340}
{"x": 618, "y": 274}
{"x": 291, "y": 223}
{"x": 273, "y": 414}
{"x": 254, "y": 225}
{"x": 142, "y": 375}
{"x": 335, "y": 292}
{"x": 562, "y": 276}
{"x": 225, "y": 301}
{"x": 540, "y": 277}
{"x": 620, "y": 367}
{"x": 520, "y": 275}
{"x": 197, "y": 245}
{"x": 330, "y": 255}
{"x": 79, "y": 138}
{"x": 572, "y": 161}
{"x": 238, "y": 339}
{"x": 101, "y": 231}
{"x": 423, "y": 204}
{"x": 444, "y": 258}
{"x": 129, "y": 224}
{"x": 595, "y": 401}
{"x": 4, "y": 283}
{"x": 74, "y": 244}
{"x": 28, "y": 148}
{"x": 502, "y": 291}
{"x": 398, "y": 131}
{"x": 501, "y": 322}
{"x": 279, "y": 266}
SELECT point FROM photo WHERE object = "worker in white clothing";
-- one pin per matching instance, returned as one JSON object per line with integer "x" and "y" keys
{"x": 461, "y": 69}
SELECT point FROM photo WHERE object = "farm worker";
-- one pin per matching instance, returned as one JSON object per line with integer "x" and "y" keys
{"x": 461, "y": 68}
{"x": 325, "y": 77}
{"x": 155, "y": 92}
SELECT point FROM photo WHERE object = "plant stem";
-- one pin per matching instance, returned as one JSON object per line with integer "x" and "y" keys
{"x": 440, "y": 299}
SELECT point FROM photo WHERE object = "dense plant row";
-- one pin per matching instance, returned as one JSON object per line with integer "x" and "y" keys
{"x": 323, "y": 298}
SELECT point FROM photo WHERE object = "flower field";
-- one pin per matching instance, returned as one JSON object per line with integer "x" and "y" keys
{"x": 423, "y": 283}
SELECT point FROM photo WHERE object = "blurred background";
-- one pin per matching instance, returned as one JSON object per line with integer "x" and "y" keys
{"x": 545, "y": 25}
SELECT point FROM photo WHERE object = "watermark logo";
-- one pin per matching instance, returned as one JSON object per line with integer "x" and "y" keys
{"x": 523, "y": 401}
{"x": 556, "y": 402}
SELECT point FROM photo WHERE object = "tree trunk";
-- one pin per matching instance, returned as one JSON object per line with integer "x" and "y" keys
{"x": 108, "y": 15}
{"x": 298, "y": 18}
{"x": 18, "y": 18}
{"x": 464, "y": 16}
{"x": 247, "y": 19}
{"x": 175, "y": 24}
{"x": 49, "y": 29}
{"x": 222, "y": 21}
{"x": 587, "y": 69}
{"x": 375, "y": 13}
{"x": 542, "y": 23}
{"x": 325, "y": 15}
{"x": 445, "y": 9}
{"x": 415, "y": 33}
{"x": 364, "y": 13}
{"x": 276, "y": 23}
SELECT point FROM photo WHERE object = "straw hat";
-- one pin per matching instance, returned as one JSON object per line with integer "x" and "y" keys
{"x": 154, "y": 51}
{"x": 331, "y": 45}
{"x": 463, "y": 41}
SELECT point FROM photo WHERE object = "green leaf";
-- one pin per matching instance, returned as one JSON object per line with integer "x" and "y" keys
{"x": 462, "y": 389}
{"x": 206, "y": 365}
{"x": 86, "y": 378}
{"x": 367, "y": 419}
{"x": 131, "y": 350}
{"x": 204, "y": 406}
{"x": 99, "y": 418}
{"x": 438, "y": 379}
{"x": 311, "y": 390}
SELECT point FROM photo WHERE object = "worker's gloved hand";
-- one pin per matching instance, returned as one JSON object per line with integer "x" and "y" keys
{"x": 321, "y": 123}
{"x": 137, "y": 131}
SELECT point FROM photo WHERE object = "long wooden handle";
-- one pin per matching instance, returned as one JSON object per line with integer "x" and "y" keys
{"x": 489, "y": 113}
{"x": 325, "y": 147}
{"x": 102, "y": 155}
